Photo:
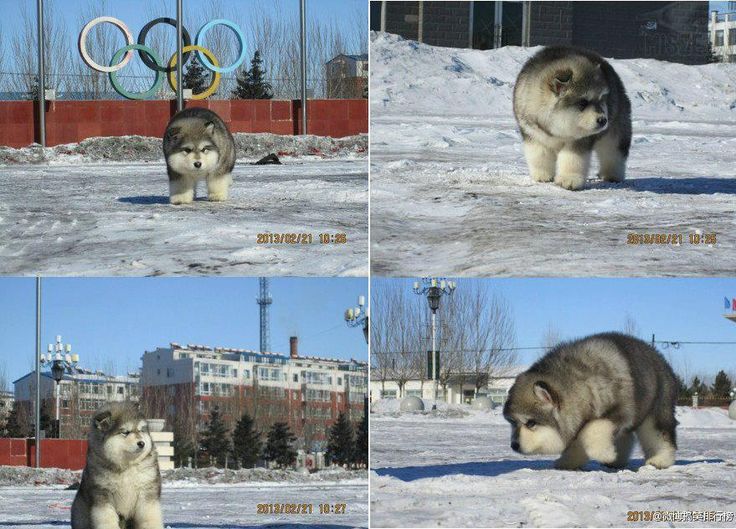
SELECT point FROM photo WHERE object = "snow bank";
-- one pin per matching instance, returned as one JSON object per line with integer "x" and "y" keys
{"x": 145, "y": 149}
{"x": 703, "y": 418}
{"x": 19, "y": 476}
{"x": 408, "y": 77}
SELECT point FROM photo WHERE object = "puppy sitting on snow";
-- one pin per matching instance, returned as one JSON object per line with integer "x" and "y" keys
{"x": 121, "y": 484}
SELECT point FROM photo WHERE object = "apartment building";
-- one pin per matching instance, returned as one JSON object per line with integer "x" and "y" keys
{"x": 81, "y": 393}
{"x": 722, "y": 31}
{"x": 184, "y": 383}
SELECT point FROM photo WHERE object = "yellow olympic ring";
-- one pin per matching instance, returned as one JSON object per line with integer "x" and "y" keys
{"x": 215, "y": 79}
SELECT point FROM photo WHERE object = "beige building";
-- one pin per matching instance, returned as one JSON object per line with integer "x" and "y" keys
{"x": 722, "y": 31}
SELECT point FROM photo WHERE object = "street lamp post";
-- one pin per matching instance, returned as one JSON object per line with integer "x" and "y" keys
{"x": 60, "y": 363}
{"x": 358, "y": 316}
{"x": 434, "y": 288}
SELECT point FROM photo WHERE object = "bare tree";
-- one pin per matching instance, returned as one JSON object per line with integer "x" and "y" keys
{"x": 630, "y": 326}
{"x": 56, "y": 51}
{"x": 551, "y": 337}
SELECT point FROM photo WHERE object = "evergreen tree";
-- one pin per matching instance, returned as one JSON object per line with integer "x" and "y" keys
{"x": 215, "y": 438}
{"x": 722, "y": 386}
{"x": 341, "y": 441}
{"x": 279, "y": 445}
{"x": 252, "y": 83}
{"x": 195, "y": 77}
{"x": 184, "y": 447}
{"x": 699, "y": 387}
{"x": 247, "y": 442}
{"x": 13, "y": 427}
{"x": 47, "y": 424}
{"x": 361, "y": 443}
{"x": 683, "y": 392}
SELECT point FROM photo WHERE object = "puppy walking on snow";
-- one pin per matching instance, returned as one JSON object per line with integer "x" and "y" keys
{"x": 587, "y": 398}
{"x": 198, "y": 146}
{"x": 121, "y": 484}
{"x": 567, "y": 103}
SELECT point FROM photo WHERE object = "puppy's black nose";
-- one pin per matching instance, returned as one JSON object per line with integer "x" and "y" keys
{"x": 199, "y": 164}
{"x": 515, "y": 446}
{"x": 602, "y": 121}
{"x": 141, "y": 444}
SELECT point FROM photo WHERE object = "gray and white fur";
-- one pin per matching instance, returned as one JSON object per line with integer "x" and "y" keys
{"x": 121, "y": 483}
{"x": 197, "y": 146}
{"x": 569, "y": 102}
{"x": 587, "y": 398}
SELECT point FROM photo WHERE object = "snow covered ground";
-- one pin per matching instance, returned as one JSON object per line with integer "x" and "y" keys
{"x": 450, "y": 193}
{"x": 83, "y": 210}
{"x": 454, "y": 468}
{"x": 198, "y": 504}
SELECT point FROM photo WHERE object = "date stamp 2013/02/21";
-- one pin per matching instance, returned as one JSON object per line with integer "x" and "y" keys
{"x": 301, "y": 508}
{"x": 301, "y": 238}
{"x": 672, "y": 239}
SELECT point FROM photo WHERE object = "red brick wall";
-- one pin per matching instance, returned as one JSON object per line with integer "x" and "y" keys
{"x": 73, "y": 121}
{"x": 55, "y": 453}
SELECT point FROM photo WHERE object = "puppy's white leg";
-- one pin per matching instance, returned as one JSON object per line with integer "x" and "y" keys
{"x": 181, "y": 190}
{"x": 218, "y": 187}
{"x": 572, "y": 168}
{"x": 659, "y": 450}
{"x": 541, "y": 161}
{"x": 572, "y": 458}
{"x": 597, "y": 440}
{"x": 612, "y": 160}
{"x": 148, "y": 515}
{"x": 103, "y": 516}
{"x": 624, "y": 442}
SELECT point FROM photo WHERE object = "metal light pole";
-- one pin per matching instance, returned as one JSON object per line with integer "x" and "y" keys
{"x": 60, "y": 364}
{"x": 303, "y": 17}
{"x": 41, "y": 76}
{"x": 38, "y": 372}
{"x": 358, "y": 316}
{"x": 434, "y": 288}
{"x": 179, "y": 55}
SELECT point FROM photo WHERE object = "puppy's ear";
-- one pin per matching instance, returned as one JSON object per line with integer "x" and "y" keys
{"x": 102, "y": 421}
{"x": 209, "y": 127}
{"x": 546, "y": 394}
{"x": 173, "y": 132}
{"x": 561, "y": 81}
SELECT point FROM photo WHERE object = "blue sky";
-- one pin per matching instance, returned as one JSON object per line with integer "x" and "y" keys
{"x": 111, "y": 322}
{"x": 134, "y": 13}
{"x": 672, "y": 309}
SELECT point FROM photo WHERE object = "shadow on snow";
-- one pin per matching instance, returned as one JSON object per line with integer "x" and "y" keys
{"x": 674, "y": 186}
{"x": 505, "y": 466}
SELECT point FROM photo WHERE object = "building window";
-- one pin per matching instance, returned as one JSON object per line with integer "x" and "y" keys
{"x": 732, "y": 37}
{"x": 339, "y": 381}
{"x": 296, "y": 378}
{"x": 719, "y": 37}
{"x": 120, "y": 390}
{"x": 169, "y": 372}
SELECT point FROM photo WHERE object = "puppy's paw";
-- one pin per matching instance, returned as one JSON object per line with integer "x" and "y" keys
{"x": 573, "y": 182}
{"x": 616, "y": 178}
{"x": 662, "y": 460}
{"x": 605, "y": 454}
{"x": 217, "y": 197}
{"x": 568, "y": 463}
{"x": 177, "y": 200}
{"x": 540, "y": 175}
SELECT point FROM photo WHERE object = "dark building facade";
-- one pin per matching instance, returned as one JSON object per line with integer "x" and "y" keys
{"x": 671, "y": 31}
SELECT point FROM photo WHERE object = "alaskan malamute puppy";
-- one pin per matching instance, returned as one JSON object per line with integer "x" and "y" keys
{"x": 121, "y": 484}
{"x": 587, "y": 398}
{"x": 569, "y": 102}
{"x": 198, "y": 146}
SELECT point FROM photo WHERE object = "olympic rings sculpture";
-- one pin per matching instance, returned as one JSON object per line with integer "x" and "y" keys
{"x": 149, "y": 57}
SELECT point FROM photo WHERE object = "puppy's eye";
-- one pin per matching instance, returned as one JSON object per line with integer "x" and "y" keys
{"x": 187, "y": 150}
{"x": 206, "y": 149}
{"x": 125, "y": 433}
{"x": 582, "y": 104}
{"x": 531, "y": 423}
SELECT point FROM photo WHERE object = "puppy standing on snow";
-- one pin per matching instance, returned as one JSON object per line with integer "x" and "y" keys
{"x": 587, "y": 398}
{"x": 198, "y": 146}
{"x": 567, "y": 103}
{"x": 121, "y": 484}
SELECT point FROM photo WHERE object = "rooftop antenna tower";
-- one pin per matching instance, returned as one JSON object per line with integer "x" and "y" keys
{"x": 264, "y": 301}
